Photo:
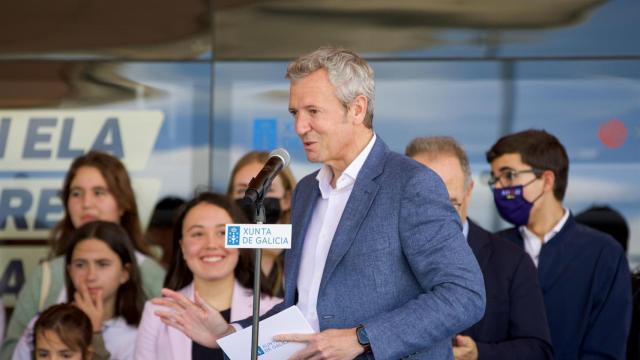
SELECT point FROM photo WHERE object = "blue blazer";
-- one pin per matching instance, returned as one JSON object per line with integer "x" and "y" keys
{"x": 585, "y": 281}
{"x": 514, "y": 325}
{"x": 398, "y": 262}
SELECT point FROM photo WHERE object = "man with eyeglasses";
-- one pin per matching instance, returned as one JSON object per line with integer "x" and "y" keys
{"x": 584, "y": 274}
{"x": 514, "y": 325}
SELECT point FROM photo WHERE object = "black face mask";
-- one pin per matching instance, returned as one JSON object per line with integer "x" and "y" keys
{"x": 272, "y": 209}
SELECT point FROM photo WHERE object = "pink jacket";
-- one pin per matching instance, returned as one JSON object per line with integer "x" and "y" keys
{"x": 159, "y": 341}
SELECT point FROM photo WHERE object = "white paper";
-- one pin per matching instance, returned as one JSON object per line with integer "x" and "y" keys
{"x": 237, "y": 346}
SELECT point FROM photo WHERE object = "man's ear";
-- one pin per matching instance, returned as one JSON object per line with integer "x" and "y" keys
{"x": 549, "y": 179}
{"x": 358, "y": 109}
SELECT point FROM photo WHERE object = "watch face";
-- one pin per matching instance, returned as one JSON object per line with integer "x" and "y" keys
{"x": 363, "y": 339}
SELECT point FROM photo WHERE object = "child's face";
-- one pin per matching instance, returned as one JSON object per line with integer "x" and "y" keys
{"x": 49, "y": 346}
{"x": 95, "y": 264}
{"x": 90, "y": 198}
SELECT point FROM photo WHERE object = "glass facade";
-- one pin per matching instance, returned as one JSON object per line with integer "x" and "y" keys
{"x": 180, "y": 90}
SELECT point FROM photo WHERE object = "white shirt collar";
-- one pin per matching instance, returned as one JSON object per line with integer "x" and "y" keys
{"x": 348, "y": 177}
{"x": 532, "y": 243}
{"x": 465, "y": 229}
{"x": 528, "y": 234}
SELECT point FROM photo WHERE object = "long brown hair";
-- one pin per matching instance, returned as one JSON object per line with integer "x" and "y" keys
{"x": 179, "y": 275}
{"x": 130, "y": 298}
{"x": 119, "y": 184}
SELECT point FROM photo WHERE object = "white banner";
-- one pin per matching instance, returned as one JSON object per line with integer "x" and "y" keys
{"x": 48, "y": 140}
{"x": 30, "y": 207}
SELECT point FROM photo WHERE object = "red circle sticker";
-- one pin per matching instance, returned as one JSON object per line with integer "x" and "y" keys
{"x": 612, "y": 133}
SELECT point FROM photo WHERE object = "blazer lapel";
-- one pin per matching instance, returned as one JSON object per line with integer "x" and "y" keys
{"x": 241, "y": 304}
{"x": 362, "y": 196}
{"x": 180, "y": 343}
{"x": 305, "y": 205}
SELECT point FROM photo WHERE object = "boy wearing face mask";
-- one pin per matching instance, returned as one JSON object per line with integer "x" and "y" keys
{"x": 584, "y": 274}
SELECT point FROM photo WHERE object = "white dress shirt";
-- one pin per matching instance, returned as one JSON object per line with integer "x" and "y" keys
{"x": 465, "y": 229}
{"x": 324, "y": 222}
{"x": 533, "y": 244}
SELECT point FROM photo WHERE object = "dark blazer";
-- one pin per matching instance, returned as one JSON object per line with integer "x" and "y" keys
{"x": 514, "y": 325}
{"x": 398, "y": 262}
{"x": 586, "y": 284}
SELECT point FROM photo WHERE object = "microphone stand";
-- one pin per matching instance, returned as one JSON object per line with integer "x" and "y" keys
{"x": 259, "y": 218}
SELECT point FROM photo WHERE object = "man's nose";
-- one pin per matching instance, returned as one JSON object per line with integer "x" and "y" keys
{"x": 301, "y": 124}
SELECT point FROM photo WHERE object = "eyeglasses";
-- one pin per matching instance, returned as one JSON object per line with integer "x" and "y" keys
{"x": 508, "y": 176}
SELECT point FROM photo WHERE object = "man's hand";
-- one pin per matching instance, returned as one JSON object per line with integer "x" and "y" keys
{"x": 198, "y": 320}
{"x": 464, "y": 348}
{"x": 332, "y": 344}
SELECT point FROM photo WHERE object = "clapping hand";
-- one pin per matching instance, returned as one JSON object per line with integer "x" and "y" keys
{"x": 198, "y": 320}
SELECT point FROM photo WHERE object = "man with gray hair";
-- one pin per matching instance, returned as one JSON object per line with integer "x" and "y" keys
{"x": 515, "y": 324}
{"x": 378, "y": 264}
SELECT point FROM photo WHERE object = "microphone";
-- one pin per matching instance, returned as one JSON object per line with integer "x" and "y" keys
{"x": 260, "y": 184}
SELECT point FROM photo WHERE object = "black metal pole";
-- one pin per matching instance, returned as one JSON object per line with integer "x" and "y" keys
{"x": 257, "y": 273}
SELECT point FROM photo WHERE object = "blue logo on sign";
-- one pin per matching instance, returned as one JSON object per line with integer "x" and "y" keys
{"x": 260, "y": 351}
{"x": 233, "y": 236}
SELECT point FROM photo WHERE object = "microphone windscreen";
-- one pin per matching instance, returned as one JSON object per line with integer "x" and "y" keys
{"x": 282, "y": 154}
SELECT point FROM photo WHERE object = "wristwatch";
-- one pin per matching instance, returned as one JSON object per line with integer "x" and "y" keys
{"x": 363, "y": 339}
